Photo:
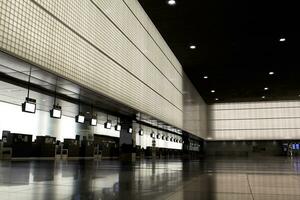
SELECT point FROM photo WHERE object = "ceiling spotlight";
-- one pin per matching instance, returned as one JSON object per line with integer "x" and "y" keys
{"x": 263, "y": 97}
{"x": 212, "y": 91}
{"x": 216, "y": 99}
{"x": 94, "y": 121}
{"x": 205, "y": 77}
{"x": 266, "y": 88}
{"x": 55, "y": 112}
{"x": 271, "y": 73}
{"x": 130, "y": 130}
{"x": 282, "y": 40}
{"x": 172, "y": 2}
{"x": 80, "y": 118}
{"x": 193, "y": 47}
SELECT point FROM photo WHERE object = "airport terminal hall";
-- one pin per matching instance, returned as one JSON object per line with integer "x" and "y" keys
{"x": 149, "y": 100}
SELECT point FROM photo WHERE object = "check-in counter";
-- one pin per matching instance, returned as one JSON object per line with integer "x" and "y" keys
{"x": 72, "y": 146}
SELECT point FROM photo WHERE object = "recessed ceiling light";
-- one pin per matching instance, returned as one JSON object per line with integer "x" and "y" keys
{"x": 172, "y": 2}
{"x": 282, "y": 39}
{"x": 216, "y": 99}
{"x": 266, "y": 88}
{"x": 193, "y": 47}
{"x": 205, "y": 77}
{"x": 212, "y": 91}
{"x": 263, "y": 97}
{"x": 271, "y": 73}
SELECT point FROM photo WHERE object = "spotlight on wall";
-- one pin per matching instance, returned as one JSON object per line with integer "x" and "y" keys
{"x": 171, "y": 139}
{"x": 93, "y": 121}
{"x": 163, "y": 137}
{"x": 130, "y": 130}
{"x": 29, "y": 105}
{"x": 107, "y": 124}
{"x": 56, "y": 112}
{"x": 158, "y": 136}
{"x": 80, "y": 118}
{"x": 167, "y": 138}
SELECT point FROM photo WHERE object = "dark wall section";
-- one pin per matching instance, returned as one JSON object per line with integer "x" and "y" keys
{"x": 246, "y": 148}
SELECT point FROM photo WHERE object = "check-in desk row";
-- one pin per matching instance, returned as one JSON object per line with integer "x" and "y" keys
{"x": 15, "y": 145}
{"x": 149, "y": 152}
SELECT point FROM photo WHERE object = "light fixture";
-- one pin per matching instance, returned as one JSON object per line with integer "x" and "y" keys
{"x": 271, "y": 73}
{"x": 93, "y": 121}
{"x": 167, "y": 138}
{"x": 205, "y": 77}
{"x": 193, "y": 47}
{"x": 171, "y": 139}
{"x": 163, "y": 137}
{"x": 263, "y": 97}
{"x": 266, "y": 88}
{"x": 80, "y": 118}
{"x": 29, "y": 105}
{"x": 282, "y": 40}
{"x": 130, "y": 130}
{"x": 217, "y": 99}
{"x": 213, "y": 91}
{"x": 118, "y": 126}
{"x": 158, "y": 136}
{"x": 56, "y": 112}
{"x": 108, "y": 123}
{"x": 172, "y": 2}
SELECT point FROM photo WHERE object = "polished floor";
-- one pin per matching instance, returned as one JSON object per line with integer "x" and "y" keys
{"x": 214, "y": 178}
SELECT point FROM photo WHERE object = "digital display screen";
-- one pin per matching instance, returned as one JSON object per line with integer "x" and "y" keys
{"x": 28, "y": 107}
{"x": 107, "y": 125}
{"x": 56, "y": 113}
{"x": 141, "y": 132}
{"x": 118, "y": 127}
{"x": 80, "y": 119}
{"x": 298, "y": 146}
{"x": 93, "y": 122}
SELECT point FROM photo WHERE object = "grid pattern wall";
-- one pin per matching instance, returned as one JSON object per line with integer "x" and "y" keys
{"x": 257, "y": 120}
{"x": 139, "y": 12}
{"x": 194, "y": 110}
{"x": 83, "y": 41}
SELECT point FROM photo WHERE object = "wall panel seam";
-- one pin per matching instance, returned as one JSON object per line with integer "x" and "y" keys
{"x": 86, "y": 40}
{"x": 152, "y": 38}
{"x": 133, "y": 44}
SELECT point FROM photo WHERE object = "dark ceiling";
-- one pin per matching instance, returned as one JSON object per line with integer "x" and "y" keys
{"x": 237, "y": 45}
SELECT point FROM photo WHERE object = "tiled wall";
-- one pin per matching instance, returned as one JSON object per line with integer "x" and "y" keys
{"x": 255, "y": 120}
{"x": 110, "y": 47}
